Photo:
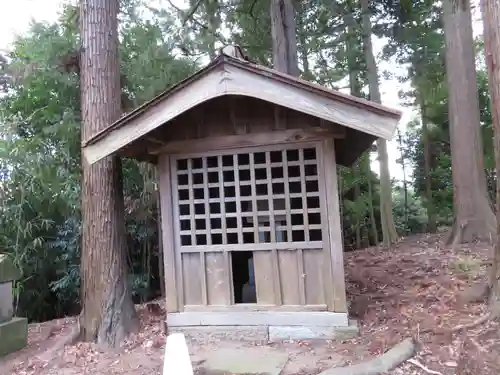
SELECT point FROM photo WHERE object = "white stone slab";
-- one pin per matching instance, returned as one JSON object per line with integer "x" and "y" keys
{"x": 282, "y": 333}
{"x": 258, "y": 360}
{"x": 177, "y": 359}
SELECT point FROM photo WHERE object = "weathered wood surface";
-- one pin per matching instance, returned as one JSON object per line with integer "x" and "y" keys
{"x": 334, "y": 250}
{"x": 234, "y": 80}
{"x": 172, "y": 287}
{"x": 248, "y": 140}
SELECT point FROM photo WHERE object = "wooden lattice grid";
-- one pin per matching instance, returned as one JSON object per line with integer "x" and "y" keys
{"x": 250, "y": 197}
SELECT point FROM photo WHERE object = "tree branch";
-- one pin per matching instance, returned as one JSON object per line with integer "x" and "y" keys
{"x": 379, "y": 365}
{"x": 191, "y": 17}
{"x": 192, "y": 11}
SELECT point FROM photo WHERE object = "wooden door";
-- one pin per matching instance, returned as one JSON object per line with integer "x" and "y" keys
{"x": 266, "y": 200}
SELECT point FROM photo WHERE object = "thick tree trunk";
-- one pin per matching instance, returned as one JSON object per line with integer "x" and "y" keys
{"x": 284, "y": 34}
{"x": 302, "y": 47}
{"x": 386, "y": 217}
{"x": 108, "y": 313}
{"x": 366, "y": 168}
{"x": 363, "y": 165}
{"x": 355, "y": 90}
{"x": 474, "y": 217}
{"x": 491, "y": 24}
{"x": 431, "y": 218}
{"x": 405, "y": 181}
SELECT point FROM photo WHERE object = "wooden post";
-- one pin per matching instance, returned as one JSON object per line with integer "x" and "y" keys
{"x": 334, "y": 226}
{"x": 168, "y": 243}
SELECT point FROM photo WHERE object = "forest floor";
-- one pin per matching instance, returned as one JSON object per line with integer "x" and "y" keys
{"x": 417, "y": 288}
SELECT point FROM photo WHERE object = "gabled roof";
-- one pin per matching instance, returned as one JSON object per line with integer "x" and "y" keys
{"x": 227, "y": 75}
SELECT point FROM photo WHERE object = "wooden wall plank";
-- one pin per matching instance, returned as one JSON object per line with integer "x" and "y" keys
{"x": 276, "y": 277}
{"x": 314, "y": 279}
{"x": 203, "y": 279}
{"x": 217, "y": 279}
{"x": 289, "y": 277}
{"x": 191, "y": 274}
{"x": 301, "y": 277}
{"x": 228, "y": 264}
{"x": 264, "y": 280}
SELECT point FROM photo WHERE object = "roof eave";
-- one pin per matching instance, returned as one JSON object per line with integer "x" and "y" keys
{"x": 230, "y": 76}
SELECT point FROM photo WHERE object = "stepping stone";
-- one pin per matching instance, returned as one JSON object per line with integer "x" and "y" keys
{"x": 257, "y": 361}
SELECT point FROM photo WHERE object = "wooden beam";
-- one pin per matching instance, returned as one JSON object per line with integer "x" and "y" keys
{"x": 253, "y": 247}
{"x": 249, "y": 307}
{"x": 250, "y": 140}
{"x": 257, "y": 318}
{"x": 154, "y": 140}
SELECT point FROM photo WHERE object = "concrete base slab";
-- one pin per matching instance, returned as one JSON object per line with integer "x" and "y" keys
{"x": 281, "y": 333}
{"x": 259, "y": 360}
{"x": 6, "y": 302}
{"x": 206, "y": 334}
{"x": 13, "y": 335}
{"x": 265, "y": 334}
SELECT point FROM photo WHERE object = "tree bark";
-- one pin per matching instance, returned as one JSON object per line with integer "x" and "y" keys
{"x": 405, "y": 182}
{"x": 366, "y": 168}
{"x": 362, "y": 167}
{"x": 491, "y": 25}
{"x": 389, "y": 233}
{"x": 302, "y": 34}
{"x": 284, "y": 34}
{"x": 431, "y": 218}
{"x": 108, "y": 313}
{"x": 474, "y": 217}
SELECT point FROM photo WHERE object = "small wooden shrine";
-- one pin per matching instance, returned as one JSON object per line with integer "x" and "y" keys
{"x": 247, "y": 161}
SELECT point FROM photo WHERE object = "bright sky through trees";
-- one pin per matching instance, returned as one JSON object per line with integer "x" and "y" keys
{"x": 17, "y": 17}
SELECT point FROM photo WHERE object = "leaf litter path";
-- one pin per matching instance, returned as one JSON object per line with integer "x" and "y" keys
{"x": 413, "y": 289}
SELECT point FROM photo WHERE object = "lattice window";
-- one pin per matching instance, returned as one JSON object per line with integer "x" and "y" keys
{"x": 249, "y": 198}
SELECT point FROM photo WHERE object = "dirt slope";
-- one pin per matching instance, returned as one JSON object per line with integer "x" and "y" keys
{"x": 412, "y": 289}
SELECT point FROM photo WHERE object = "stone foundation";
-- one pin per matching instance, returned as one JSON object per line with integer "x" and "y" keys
{"x": 13, "y": 335}
{"x": 265, "y": 334}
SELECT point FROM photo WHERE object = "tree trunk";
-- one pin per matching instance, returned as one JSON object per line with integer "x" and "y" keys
{"x": 108, "y": 313}
{"x": 405, "y": 182}
{"x": 366, "y": 168}
{"x": 431, "y": 218}
{"x": 474, "y": 217}
{"x": 363, "y": 165}
{"x": 491, "y": 24}
{"x": 388, "y": 227}
{"x": 284, "y": 34}
{"x": 302, "y": 47}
